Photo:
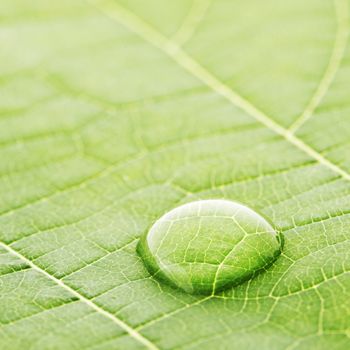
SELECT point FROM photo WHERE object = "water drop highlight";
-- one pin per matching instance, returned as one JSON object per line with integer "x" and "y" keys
{"x": 206, "y": 246}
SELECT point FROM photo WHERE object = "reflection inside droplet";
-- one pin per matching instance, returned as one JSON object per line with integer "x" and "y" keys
{"x": 208, "y": 245}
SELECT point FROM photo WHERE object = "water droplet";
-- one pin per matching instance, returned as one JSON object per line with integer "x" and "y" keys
{"x": 208, "y": 245}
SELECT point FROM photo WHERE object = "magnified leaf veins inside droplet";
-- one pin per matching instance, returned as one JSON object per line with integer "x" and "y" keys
{"x": 205, "y": 246}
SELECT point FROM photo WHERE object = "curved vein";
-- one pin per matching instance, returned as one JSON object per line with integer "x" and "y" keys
{"x": 341, "y": 9}
{"x": 191, "y": 22}
{"x": 149, "y": 34}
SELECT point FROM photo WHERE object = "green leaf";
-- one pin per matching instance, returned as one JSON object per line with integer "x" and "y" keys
{"x": 115, "y": 112}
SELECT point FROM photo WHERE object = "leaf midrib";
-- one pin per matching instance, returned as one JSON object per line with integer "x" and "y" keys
{"x": 155, "y": 38}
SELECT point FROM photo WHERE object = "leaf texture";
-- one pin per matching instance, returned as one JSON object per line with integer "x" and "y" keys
{"x": 114, "y": 112}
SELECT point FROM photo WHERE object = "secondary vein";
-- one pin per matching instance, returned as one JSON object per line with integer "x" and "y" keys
{"x": 336, "y": 57}
{"x": 132, "y": 332}
{"x": 149, "y": 34}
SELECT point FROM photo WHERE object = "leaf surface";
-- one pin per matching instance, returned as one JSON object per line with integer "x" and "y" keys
{"x": 115, "y": 112}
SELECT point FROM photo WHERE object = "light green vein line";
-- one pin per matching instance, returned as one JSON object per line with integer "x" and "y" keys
{"x": 222, "y": 263}
{"x": 132, "y": 332}
{"x": 173, "y": 313}
{"x": 341, "y": 10}
{"x": 191, "y": 22}
{"x": 116, "y": 165}
{"x": 148, "y": 33}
